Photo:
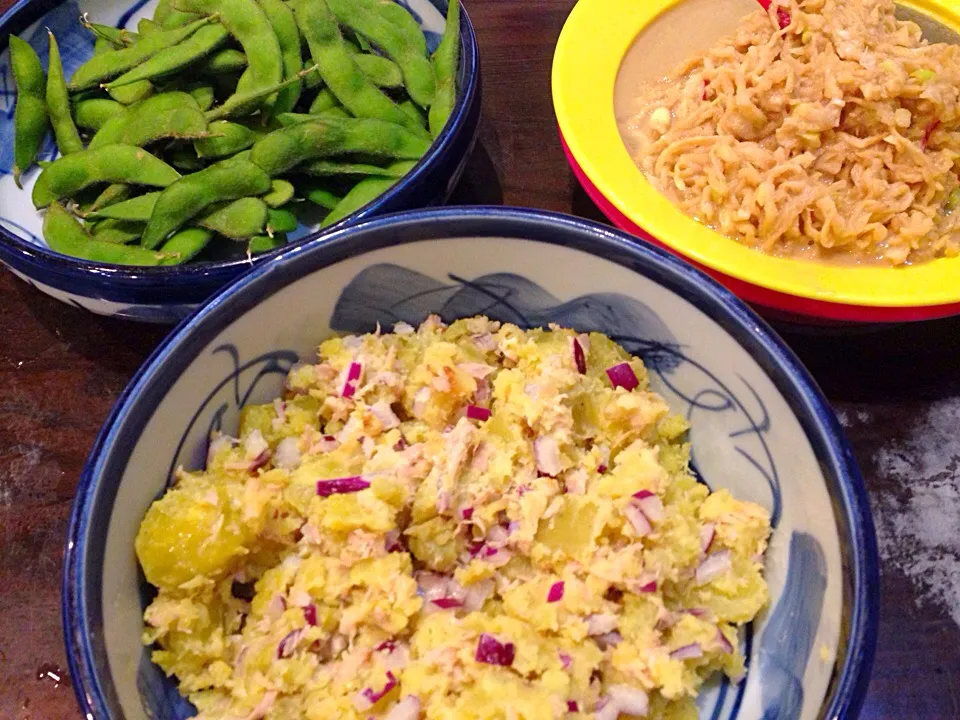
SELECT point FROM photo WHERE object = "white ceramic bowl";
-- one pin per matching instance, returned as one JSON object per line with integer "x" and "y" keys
{"x": 759, "y": 427}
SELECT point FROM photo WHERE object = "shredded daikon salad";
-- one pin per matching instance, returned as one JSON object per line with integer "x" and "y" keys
{"x": 463, "y": 521}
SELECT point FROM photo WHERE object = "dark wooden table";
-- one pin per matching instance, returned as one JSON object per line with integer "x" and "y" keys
{"x": 896, "y": 391}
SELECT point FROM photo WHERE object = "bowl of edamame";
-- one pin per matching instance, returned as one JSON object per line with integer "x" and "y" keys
{"x": 155, "y": 151}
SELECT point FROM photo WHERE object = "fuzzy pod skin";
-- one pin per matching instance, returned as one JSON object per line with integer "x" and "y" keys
{"x": 65, "y": 235}
{"x": 58, "y": 104}
{"x": 30, "y": 119}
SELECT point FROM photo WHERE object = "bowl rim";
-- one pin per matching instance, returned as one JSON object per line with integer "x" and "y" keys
{"x": 585, "y": 69}
{"x": 81, "y": 595}
{"x": 25, "y": 12}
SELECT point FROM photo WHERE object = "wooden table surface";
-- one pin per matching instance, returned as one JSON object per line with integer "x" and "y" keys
{"x": 897, "y": 392}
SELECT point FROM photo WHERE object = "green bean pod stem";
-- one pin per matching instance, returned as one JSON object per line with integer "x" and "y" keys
{"x": 192, "y": 194}
{"x": 241, "y": 219}
{"x": 288, "y": 36}
{"x": 248, "y": 24}
{"x": 446, "y": 65}
{"x": 362, "y": 194}
{"x": 58, "y": 104}
{"x": 65, "y": 235}
{"x": 111, "y": 164}
{"x": 110, "y": 64}
{"x": 287, "y": 147}
{"x": 355, "y": 91}
{"x": 30, "y": 120}
{"x": 417, "y": 72}
{"x": 196, "y": 47}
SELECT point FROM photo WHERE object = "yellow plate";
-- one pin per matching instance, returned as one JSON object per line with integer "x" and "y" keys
{"x": 594, "y": 41}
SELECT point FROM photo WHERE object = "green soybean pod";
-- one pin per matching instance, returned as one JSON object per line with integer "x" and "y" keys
{"x": 138, "y": 209}
{"x": 405, "y": 23}
{"x": 185, "y": 245}
{"x": 117, "y": 231}
{"x": 94, "y": 113}
{"x": 323, "y": 101}
{"x": 111, "y": 164}
{"x": 319, "y": 194}
{"x": 280, "y": 220}
{"x": 225, "y": 138}
{"x": 149, "y": 111}
{"x": 355, "y": 91}
{"x": 65, "y": 235}
{"x": 266, "y": 243}
{"x": 58, "y": 103}
{"x": 116, "y": 62}
{"x": 116, "y": 37}
{"x": 132, "y": 93}
{"x": 287, "y": 147}
{"x": 111, "y": 195}
{"x": 288, "y": 36}
{"x": 362, "y": 194}
{"x": 225, "y": 62}
{"x": 411, "y": 109}
{"x": 203, "y": 95}
{"x": 326, "y": 168}
{"x": 169, "y": 60}
{"x": 184, "y": 158}
{"x": 168, "y": 18}
{"x": 446, "y": 65}
{"x": 417, "y": 72}
{"x": 281, "y": 192}
{"x": 30, "y": 120}
{"x": 248, "y": 24}
{"x": 192, "y": 194}
{"x": 240, "y": 103}
{"x": 382, "y": 71}
{"x": 239, "y": 219}
{"x": 146, "y": 26}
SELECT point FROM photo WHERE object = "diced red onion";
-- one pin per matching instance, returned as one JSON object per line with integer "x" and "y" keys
{"x": 638, "y": 520}
{"x": 392, "y": 542}
{"x": 475, "y": 412}
{"x": 687, "y": 652}
{"x": 601, "y": 468}
{"x": 328, "y": 443}
{"x": 608, "y": 640}
{"x": 556, "y": 592}
{"x": 928, "y": 133}
{"x": 703, "y": 94}
{"x": 254, "y": 445}
{"x": 310, "y": 615}
{"x": 340, "y": 486}
{"x": 601, "y": 623}
{"x": 565, "y": 661}
{"x": 697, "y": 611}
{"x": 402, "y": 328}
{"x": 646, "y": 583}
{"x": 447, "y": 603}
{"x": 497, "y": 558}
{"x": 497, "y": 535}
{"x": 401, "y": 444}
{"x": 783, "y": 18}
{"x": 622, "y": 375}
{"x": 579, "y": 358}
{"x": 476, "y": 548}
{"x": 353, "y": 376}
{"x": 385, "y": 414}
{"x": 478, "y": 371}
{"x": 287, "y": 455}
{"x": 546, "y": 452}
{"x": 466, "y": 513}
{"x": 259, "y": 461}
{"x": 289, "y": 643}
{"x": 368, "y": 697}
{"x": 706, "y": 537}
{"x": 713, "y": 566}
{"x": 572, "y": 706}
{"x": 477, "y": 594}
{"x": 277, "y": 605}
{"x": 606, "y": 710}
{"x": 493, "y": 652}
{"x": 641, "y": 494}
{"x": 406, "y": 709}
{"x": 725, "y": 644}
{"x": 629, "y": 700}
{"x": 485, "y": 341}
{"x": 651, "y": 505}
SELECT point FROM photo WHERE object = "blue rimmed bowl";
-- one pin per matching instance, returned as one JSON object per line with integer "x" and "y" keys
{"x": 760, "y": 427}
{"x": 168, "y": 294}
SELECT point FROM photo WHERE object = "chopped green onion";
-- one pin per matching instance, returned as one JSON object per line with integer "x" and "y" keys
{"x": 953, "y": 200}
{"x": 923, "y": 75}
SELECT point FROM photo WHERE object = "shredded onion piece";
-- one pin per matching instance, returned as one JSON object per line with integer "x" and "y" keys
{"x": 579, "y": 358}
{"x": 706, "y": 537}
{"x": 406, "y": 709}
{"x": 402, "y": 328}
{"x": 648, "y": 587}
{"x": 475, "y": 412}
{"x": 556, "y": 592}
{"x": 493, "y": 652}
{"x": 715, "y": 565}
{"x": 447, "y": 603}
{"x": 601, "y": 624}
{"x": 725, "y": 644}
{"x": 310, "y": 615}
{"x": 608, "y": 640}
{"x": 565, "y": 661}
{"x": 477, "y": 595}
{"x": 368, "y": 697}
{"x": 420, "y": 401}
{"x": 622, "y": 375}
{"x": 385, "y": 414}
{"x": 466, "y": 513}
{"x": 687, "y": 652}
{"x": 287, "y": 455}
{"x": 289, "y": 643}
{"x": 651, "y": 505}
{"x": 350, "y": 384}
{"x": 629, "y": 700}
{"x": 546, "y": 452}
{"x": 641, "y": 524}
{"x": 341, "y": 486}
{"x": 928, "y": 133}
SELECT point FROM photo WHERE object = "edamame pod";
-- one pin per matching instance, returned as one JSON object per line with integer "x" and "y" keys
{"x": 324, "y": 100}
{"x": 225, "y": 138}
{"x": 30, "y": 119}
{"x": 288, "y": 36}
{"x": 117, "y": 231}
{"x": 185, "y": 245}
{"x": 240, "y": 219}
{"x": 138, "y": 209}
{"x": 362, "y": 194}
{"x": 281, "y": 192}
{"x": 339, "y": 70}
{"x": 111, "y": 195}
{"x": 191, "y": 195}
{"x": 281, "y": 221}
{"x": 132, "y": 93}
{"x": 319, "y": 195}
{"x": 168, "y": 18}
{"x": 58, "y": 103}
{"x": 405, "y": 23}
{"x": 411, "y": 109}
{"x": 172, "y": 114}
{"x": 287, "y": 147}
{"x": 239, "y": 103}
{"x": 94, "y": 113}
{"x": 417, "y": 72}
{"x": 110, "y": 64}
{"x": 246, "y": 21}
{"x": 446, "y": 65}
{"x": 382, "y": 71}
{"x": 203, "y": 42}
{"x": 117, "y": 37}
{"x": 111, "y": 164}
{"x": 203, "y": 95}
{"x": 65, "y": 235}
{"x": 325, "y": 168}
{"x": 265, "y": 243}
{"x": 225, "y": 62}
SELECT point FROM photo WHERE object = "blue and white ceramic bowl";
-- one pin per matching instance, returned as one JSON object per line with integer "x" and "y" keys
{"x": 168, "y": 294}
{"x": 759, "y": 427}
